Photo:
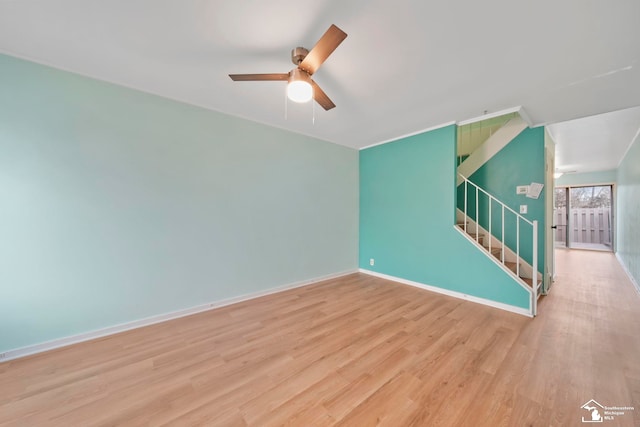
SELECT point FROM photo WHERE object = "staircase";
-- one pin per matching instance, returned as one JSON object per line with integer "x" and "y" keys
{"x": 509, "y": 239}
{"x": 513, "y": 265}
{"x": 492, "y": 243}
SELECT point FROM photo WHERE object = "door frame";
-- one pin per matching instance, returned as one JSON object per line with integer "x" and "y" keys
{"x": 549, "y": 181}
{"x": 567, "y": 188}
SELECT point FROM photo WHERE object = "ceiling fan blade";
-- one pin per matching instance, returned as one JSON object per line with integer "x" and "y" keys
{"x": 259, "y": 77}
{"x": 321, "y": 97}
{"x": 321, "y": 51}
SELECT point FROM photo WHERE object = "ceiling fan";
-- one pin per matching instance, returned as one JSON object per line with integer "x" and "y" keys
{"x": 301, "y": 87}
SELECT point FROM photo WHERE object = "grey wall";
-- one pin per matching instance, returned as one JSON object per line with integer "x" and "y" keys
{"x": 117, "y": 205}
{"x": 628, "y": 210}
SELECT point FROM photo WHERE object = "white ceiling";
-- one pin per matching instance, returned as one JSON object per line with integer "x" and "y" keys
{"x": 405, "y": 66}
{"x": 595, "y": 143}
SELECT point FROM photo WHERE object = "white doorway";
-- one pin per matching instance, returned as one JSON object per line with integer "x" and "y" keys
{"x": 549, "y": 182}
{"x": 583, "y": 217}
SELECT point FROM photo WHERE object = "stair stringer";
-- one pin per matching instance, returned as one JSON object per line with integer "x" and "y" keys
{"x": 491, "y": 146}
{"x": 504, "y": 268}
{"x": 526, "y": 270}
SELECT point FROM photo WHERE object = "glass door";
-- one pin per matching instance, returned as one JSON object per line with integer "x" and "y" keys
{"x": 560, "y": 217}
{"x": 590, "y": 218}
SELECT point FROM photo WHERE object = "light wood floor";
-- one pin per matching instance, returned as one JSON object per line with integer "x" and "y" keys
{"x": 356, "y": 351}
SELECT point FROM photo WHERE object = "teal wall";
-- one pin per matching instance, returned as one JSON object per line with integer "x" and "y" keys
{"x": 587, "y": 178}
{"x": 520, "y": 162}
{"x": 407, "y": 216}
{"x": 117, "y": 205}
{"x": 628, "y": 210}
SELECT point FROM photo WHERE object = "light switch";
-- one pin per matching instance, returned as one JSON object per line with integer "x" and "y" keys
{"x": 523, "y": 209}
{"x": 522, "y": 189}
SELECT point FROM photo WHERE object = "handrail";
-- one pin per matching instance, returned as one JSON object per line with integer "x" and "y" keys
{"x": 491, "y": 197}
{"x": 533, "y": 290}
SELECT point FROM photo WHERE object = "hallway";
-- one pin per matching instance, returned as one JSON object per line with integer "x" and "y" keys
{"x": 588, "y": 336}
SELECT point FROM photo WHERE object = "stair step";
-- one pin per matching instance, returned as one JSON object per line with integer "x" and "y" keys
{"x": 472, "y": 235}
{"x": 496, "y": 252}
{"x": 479, "y": 239}
{"x": 513, "y": 266}
{"x": 527, "y": 281}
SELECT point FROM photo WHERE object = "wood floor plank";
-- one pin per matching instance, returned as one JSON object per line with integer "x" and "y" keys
{"x": 357, "y": 350}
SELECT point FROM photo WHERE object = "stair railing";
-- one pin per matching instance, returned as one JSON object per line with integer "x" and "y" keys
{"x": 504, "y": 209}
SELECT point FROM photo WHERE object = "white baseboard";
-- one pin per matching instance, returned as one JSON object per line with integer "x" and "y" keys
{"x": 98, "y": 333}
{"x": 455, "y": 294}
{"x": 628, "y": 273}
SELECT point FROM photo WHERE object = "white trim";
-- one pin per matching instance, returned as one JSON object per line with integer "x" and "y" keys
{"x": 440, "y": 126}
{"x": 519, "y": 109}
{"x": 122, "y": 327}
{"x": 448, "y": 292}
{"x": 628, "y": 273}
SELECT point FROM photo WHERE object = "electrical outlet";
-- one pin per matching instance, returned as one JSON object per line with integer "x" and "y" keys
{"x": 372, "y": 262}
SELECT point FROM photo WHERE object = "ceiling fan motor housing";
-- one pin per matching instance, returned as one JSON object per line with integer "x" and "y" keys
{"x": 298, "y": 54}
{"x": 299, "y": 75}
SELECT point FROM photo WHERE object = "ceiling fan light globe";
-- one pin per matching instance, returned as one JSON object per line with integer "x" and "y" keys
{"x": 299, "y": 91}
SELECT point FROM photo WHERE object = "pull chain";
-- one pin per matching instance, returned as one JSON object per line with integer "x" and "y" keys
{"x": 313, "y": 106}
